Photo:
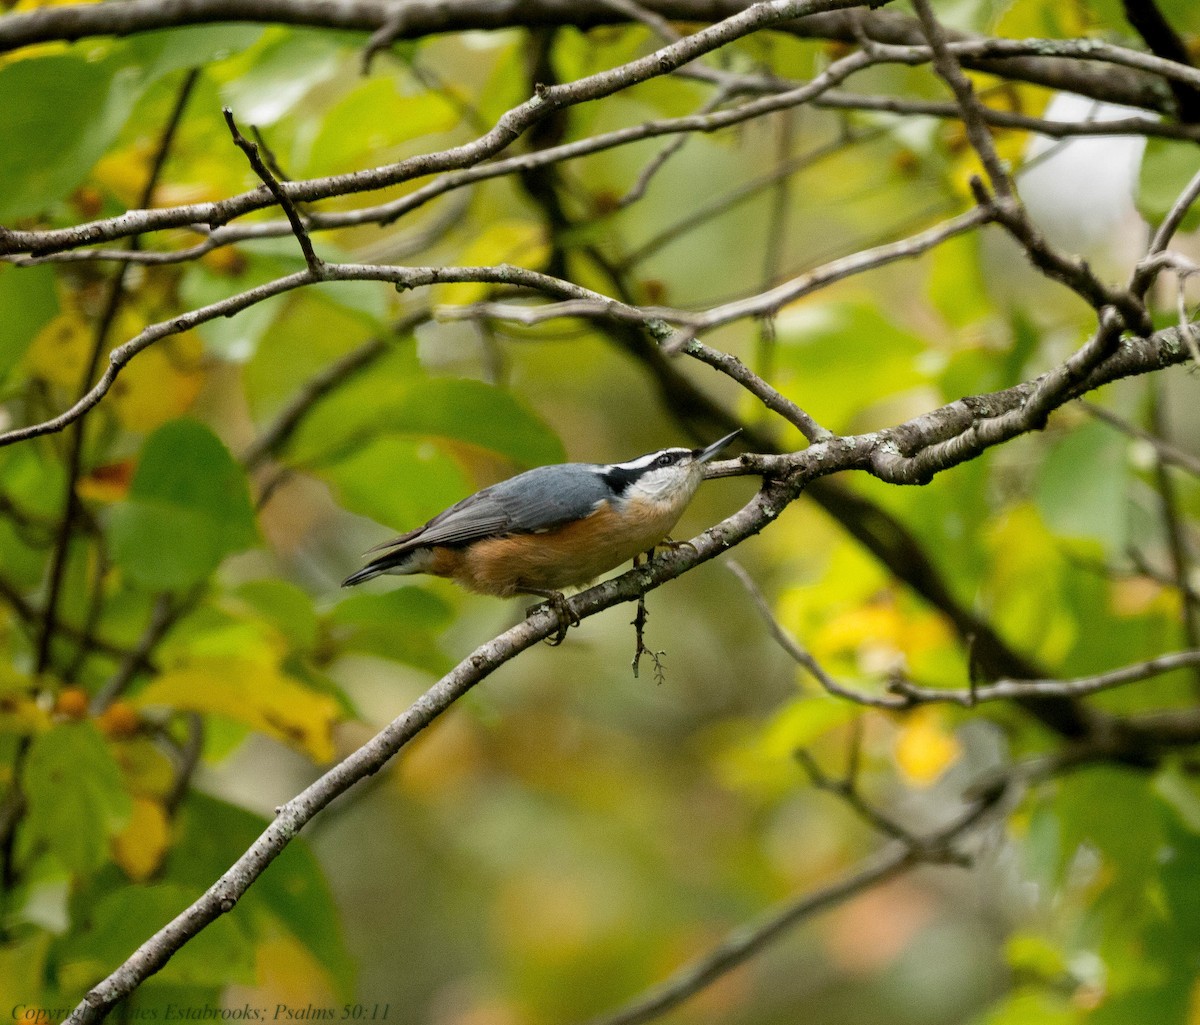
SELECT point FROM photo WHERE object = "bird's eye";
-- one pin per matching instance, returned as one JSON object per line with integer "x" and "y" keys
{"x": 666, "y": 459}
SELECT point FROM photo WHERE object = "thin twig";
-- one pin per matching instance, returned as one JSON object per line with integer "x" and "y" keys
{"x": 773, "y": 399}
{"x": 1146, "y": 271}
{"x": 1165, "y": 451}
{"x": 846, "y": 790}
{"x": 507, "y": 129}
{"x": 706, "y": 212}
{"x": 1181, "y": 557}
{"x": 1079, "y": 687}
{"x": 277, "y": 434}
{"x": 759, "y": 305}
{"x": 994, "y": 117}
{"x": 314, "y": 262}
{"x": 1009, "y": 210}
{"x": 402, "y": 277}
{"x": 801, "y": 655}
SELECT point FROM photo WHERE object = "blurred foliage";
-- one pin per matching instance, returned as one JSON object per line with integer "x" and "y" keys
{"x": 567, "y": 835}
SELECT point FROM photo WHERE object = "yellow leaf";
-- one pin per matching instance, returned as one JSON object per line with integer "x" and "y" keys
{"x": 1010, "y": 143}
{"x": 511, "y": 241}
{"x": 1193, "y": 1015}
{"x": 107, "y": 483}
{"x": 159, "y": 384}
{"x": 253, "y": 693}
{"x": 140, "y": 847}
{"x": 20, "y": 711}
{"x": 924, "y": 747}
{"x": 123, "y": 172}
{"x": 285, "y": 973}
{"x": 60, "y": 350}
{"x": 145, "y": 766}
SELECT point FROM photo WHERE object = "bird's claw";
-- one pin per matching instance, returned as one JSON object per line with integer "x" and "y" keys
{"x": 673, "y": 545}
{"x": 567, "y": 617}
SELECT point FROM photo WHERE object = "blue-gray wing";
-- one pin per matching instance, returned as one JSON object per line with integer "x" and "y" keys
{"x": 529, "y": 503}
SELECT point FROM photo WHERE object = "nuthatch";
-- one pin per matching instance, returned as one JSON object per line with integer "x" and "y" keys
{"x": 551, "y": 527}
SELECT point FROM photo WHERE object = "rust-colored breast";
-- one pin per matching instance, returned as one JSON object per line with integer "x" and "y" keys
{"x": 573, "y": 554}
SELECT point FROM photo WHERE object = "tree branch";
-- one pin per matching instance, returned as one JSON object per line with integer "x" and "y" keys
{"x": 295, "y": 222}
{"x": 1079, "y": 687}
{"x": 507, "y": 129}
{"x": 1135, "y": 87}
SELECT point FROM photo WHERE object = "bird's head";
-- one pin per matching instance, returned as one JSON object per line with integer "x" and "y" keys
{"x": 669, "y": 475}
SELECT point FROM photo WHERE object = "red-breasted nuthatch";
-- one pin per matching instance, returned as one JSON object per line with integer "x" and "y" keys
{"x": 551, "y": 527}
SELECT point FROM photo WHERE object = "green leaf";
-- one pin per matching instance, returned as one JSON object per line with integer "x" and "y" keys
{"x": 454, "y": 410}
{"x": 29, "y": 301}
{"x": 60, "y": 113}
{"x": 75, "y": 795}
{"x": 1027, "y": 1005}
{"x": 293, "y": 892}
{"x": 280, "y": 71}
{"x": 1082, "y": 487}
{"x": 189, "y": 46}
{"x": 220, "y": 954}
{"x": 399, "y": 624}
{"x": 236, "y": 338}
{"x": 1167, "y": 166}
{"x": 396, "y": 481}
{"x": 285, "y": 606}
{"x": 1115, "y": 812}
{"x": 33, "y": 481}
{"x": 358, "y": 130}
{"x": 824, "y": 345}
{"x": 23, "y": 960}
{"x": 956, "y": 286}
{"x": 188, "y": 508}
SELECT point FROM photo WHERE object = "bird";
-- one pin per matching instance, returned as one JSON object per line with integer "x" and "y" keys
{"x": 551, "y": 527}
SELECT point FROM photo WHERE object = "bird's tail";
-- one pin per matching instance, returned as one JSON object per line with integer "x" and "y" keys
{"x": 398, "y": 563}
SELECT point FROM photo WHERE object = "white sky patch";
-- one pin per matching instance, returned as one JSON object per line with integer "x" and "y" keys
{"x": 1080, "y": 191}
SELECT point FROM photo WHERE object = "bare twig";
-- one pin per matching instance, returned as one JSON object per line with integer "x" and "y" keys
{"x": 1148, "y": 269}
{"x": 401, "y": 277}
{"x": 835, "y": 99}
{"x": 704, "y": 213}
{"x": 315, "y": 264}
{"x": 508, "y": 128}
{"x": 801, "y": 654}
{"x": 1166, "y": 452}
{"x": 1009, "y": 211}
{"x": 49, "y": 246}
{"x": 1083, "y": 686}
{"x": 1177, "y": 544}
{"x": 773, "y": 399}
{"x": 1164, "y": 41}
{"x": 1040, "y": 64}
{"x": 846, "y": 790}
{"x": 762, "y": 304}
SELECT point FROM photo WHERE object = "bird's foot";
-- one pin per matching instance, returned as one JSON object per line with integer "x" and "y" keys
{"x": 567, "y": 617}
{"x": 673, "y": 545}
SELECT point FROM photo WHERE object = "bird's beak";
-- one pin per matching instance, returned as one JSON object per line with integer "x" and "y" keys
{"x": 703, "y": 455}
